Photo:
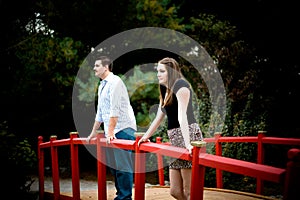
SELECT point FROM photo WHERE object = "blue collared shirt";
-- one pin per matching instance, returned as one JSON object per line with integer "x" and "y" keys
{"x": 113, "y": 101}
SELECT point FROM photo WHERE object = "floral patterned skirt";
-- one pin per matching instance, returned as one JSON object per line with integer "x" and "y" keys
{"x": 176, "y": 139}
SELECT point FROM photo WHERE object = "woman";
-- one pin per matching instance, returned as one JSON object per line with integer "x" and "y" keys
{"x": 176, "y": 103}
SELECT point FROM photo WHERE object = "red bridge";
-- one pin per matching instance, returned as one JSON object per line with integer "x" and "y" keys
{"x": 289, "y": 177}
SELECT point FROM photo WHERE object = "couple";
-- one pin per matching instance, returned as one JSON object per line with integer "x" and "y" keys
{"x": 115, "y": 111}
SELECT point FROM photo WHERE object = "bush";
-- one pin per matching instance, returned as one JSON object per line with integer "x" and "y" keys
{"x": 19, "y": 161}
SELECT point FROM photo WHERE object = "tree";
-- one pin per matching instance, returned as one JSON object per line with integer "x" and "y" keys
{"x": 50, "y": 65}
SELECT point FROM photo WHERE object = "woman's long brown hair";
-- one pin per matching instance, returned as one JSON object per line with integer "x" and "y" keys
{"x": 174, "y": 74}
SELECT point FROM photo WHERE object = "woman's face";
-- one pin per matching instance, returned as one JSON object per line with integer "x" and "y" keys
{"x": 162, "y": 74}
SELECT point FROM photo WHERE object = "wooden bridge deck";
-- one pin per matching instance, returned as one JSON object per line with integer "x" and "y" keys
{"x": 162, "y": 193}
{"x": 89, "y": 191}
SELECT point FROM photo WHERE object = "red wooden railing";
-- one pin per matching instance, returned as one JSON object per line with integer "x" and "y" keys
{"x": 289, "y": 177}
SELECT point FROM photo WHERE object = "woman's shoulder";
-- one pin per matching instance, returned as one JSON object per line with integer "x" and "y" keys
{"x": 180, "y": 83}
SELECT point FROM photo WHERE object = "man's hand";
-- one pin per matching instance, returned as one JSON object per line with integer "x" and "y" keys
{"x": 88, "y": 139}
{"x": 109, "y": 138}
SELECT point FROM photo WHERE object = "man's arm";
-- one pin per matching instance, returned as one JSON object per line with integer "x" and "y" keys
{"x": 111, "y": 127}
{"x": 93, "y": 133}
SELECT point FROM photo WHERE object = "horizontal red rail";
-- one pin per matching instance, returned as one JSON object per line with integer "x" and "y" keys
{"x": 281, "y": 141}
{"x": 239, "y": 139}
{"x": 166, "y": 150}
{"x": 246, "y": 168}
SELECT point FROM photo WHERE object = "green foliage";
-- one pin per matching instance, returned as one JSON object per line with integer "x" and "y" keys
{"x": 159, "y": 14}
{"x": 236, "y": 60}
{"x": 210, "y": 177}
{"x": 244, "y": 123}
{"x": 143, "y": 92}
{"x": 239, "y": 182}
{"x": 19, "y": 159}
{"x": 48, "y": 60}
{"x": 87, "y": 84}
{"x": 87, "y": 90}
{"x": 221, "y": 39}
{"x": 245, "y": 112}
{"x": 154, "y": 13}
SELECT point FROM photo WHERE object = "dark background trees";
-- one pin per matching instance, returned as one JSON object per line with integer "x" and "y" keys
{"x": 255, "y": 42}
{"x": 268, "y": 26}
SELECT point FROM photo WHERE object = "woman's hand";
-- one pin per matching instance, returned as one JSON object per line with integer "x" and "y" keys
{"x": 143, "y": 140}
{"x": 190, "y": 149}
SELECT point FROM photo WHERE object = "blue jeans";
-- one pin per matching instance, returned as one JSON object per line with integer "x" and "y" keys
{"x": 120, "y": 162}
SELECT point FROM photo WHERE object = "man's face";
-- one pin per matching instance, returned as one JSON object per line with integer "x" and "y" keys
{"x": 99, "y": 69}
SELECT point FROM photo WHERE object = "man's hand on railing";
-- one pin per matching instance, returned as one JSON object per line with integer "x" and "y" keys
{"x": 88, "y": 139}
{"x": 109, "y": 138}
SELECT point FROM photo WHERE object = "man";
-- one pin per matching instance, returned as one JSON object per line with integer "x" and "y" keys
{"x": 115, "y": 112}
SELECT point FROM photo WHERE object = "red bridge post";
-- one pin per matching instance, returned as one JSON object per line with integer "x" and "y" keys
{"x": 198, "y": 171}
{"x": 140, "y": 170}
{"x": 101, "y": 169}
{"x": 292, "y": 177}
{"x": 41, "y": 160}
{"x": 219, "y": 173}
{"x": 74, "y": 166}
{"x": 160, "y": 165}
{"x": 260, "y": 160}
{"x": 55, "y": 171}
